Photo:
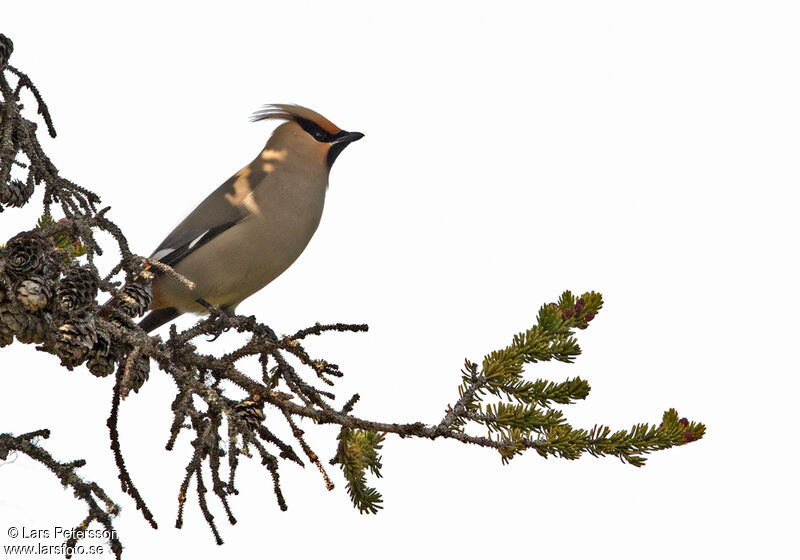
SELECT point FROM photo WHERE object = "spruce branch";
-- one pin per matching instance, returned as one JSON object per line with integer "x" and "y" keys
{"x": 101, "y": 508}
{"x": 49, "y": 292}
{"x": 124, "y": 477}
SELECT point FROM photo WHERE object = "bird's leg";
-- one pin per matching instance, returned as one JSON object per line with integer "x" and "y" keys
{"x": 224, "y": 320}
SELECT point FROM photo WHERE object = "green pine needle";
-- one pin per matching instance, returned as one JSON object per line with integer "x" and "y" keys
{"x": 69, "y": 248}
{"x": 528, "y": 421}
{"x": 357, "y": 452}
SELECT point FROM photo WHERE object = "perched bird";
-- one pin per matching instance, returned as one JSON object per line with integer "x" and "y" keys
{"x": 255, "y": 225}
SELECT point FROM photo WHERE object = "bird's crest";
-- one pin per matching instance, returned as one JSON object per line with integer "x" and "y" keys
{"x": 293, "y": 113}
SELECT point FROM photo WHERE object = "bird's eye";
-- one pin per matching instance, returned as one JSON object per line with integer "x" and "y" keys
{"x": 317, "y": 132}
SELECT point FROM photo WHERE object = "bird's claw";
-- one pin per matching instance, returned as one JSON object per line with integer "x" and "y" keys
{"x": 225, "y": 325}
{"x": 222, "y": 317}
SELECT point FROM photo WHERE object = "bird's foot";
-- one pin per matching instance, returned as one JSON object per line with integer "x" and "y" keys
{"x": 219, "y": 315}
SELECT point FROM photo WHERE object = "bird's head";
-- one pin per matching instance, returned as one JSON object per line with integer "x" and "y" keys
{"x": 328, "y": 139}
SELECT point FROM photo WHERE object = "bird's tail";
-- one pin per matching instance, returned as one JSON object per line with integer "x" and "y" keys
{"x": 156, "y": 318}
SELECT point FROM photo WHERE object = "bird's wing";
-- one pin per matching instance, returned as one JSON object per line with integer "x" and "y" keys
{"x": 173, "y": 255}
{"x": 221, "y": 210}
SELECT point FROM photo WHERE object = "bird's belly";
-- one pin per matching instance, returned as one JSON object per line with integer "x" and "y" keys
{"x": 242, "y": 260}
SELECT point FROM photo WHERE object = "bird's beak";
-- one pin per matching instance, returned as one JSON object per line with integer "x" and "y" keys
{"x": 348, "y": 137}
{"x": 342, "y": 140}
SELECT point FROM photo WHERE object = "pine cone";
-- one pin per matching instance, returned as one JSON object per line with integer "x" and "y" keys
{"x": 28, "y": 327}
{"x": 103, "y": 356}
{"x": 34, "y": 329}
{"x": 74, "y": 339}
{"x": 6, "y": 47}
{"x": 29, "y": 254}
{"x": 6, "y": 334}
{"x": 34, "y": 293}
{"x": 78, "y": 289}
{"x": 135, "y": 298}
{"x": 250, "y": 412}
{"x": 101, "y": 366}
{"x": 16, "y": 193}
{"x": 136, "y": 375}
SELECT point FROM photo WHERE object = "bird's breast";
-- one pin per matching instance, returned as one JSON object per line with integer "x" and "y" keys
{"x": 282, "y": 216}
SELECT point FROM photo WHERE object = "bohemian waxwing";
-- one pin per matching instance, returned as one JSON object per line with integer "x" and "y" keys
{"x": 256, "y": 224}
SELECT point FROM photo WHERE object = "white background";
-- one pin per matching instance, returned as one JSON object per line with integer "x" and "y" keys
{"x": 646, "y": 150}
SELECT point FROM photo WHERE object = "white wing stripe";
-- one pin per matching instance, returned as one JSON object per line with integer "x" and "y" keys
{"x": 162, "y": 253}
{"x": 197, "y": 239}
